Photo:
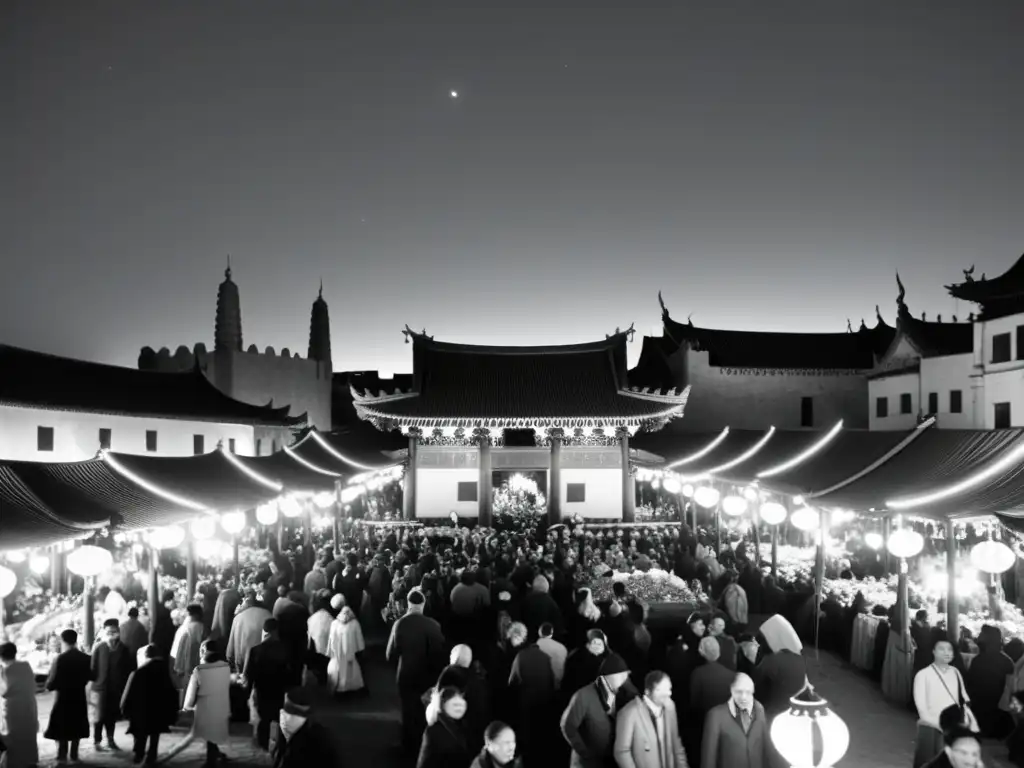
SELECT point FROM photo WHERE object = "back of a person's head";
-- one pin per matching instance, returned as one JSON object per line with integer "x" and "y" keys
{"x": 619, "y": 589}
{"x": 195, "y": 611}
{"x": 467, "y": 577}
{"x": 540, "y": 584}
{"x": 133, "y": 613}
{"x": 416, "y": 598}
{"x": 8, "y": 652}
{"x": 270, "y": 626}
{"x": 152, "y": 651}
{"x": 547, "y": 629}
{"x": 710, "y": 649}
{"x": 69, "y": 636}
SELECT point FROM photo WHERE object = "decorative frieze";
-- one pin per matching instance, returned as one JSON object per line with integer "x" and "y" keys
{"x": 591, "y": 458}
{"x": 725, "y": 371}
{"x": 434, "y": 457}
{"x": 521, "y": 458}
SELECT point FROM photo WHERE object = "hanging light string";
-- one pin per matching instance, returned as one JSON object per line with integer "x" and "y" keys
{"x": 1013, "y": 458}
{"x": 249, "y": 472}
{"x": 156, "y": 490}
{"x": 340, "y": 457}
{"x": 702, "y": 452}
{"x": 309, "y": 464}
{"x": 800, "y": 458}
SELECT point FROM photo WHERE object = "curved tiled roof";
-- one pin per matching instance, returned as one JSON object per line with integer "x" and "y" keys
{"x": 937, "y": 339}
{"x": 1008, "y": 285}
{"x": 39, "y": 380}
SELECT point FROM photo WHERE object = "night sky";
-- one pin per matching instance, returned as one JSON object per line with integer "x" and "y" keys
{"x": 768, "y": 165}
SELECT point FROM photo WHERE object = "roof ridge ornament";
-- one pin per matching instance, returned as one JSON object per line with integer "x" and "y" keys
{"x": 903, "y": 292}
{"x": 630, "y": 332}
{"x": 409, "y": 333}
{"x": 849, "y": 326}
{"x": 664, "y": 309}
{"x": 227, "y": 272}
{"x": 969, "y": 274}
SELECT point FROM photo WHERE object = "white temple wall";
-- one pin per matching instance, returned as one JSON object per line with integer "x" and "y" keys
{"x": 603, "y": 493}
{"x": 437, "y": 492}
{"x": 76, "y": 435}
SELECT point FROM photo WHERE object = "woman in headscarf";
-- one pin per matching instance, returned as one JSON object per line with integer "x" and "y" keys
{"x": 783, "y": 672}
{"x": 346, "y": 641}
{"x": 445, "y": 741}
{"x": 985, "y": 681}
{"x": 224, "y": 613}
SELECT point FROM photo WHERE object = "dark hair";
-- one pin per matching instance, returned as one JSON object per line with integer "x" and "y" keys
{"x": 270, "y": 625}
{"x": 167, "y": 595}
{"x": 953, "y": 735}
{"x": 653, "y": 678}
{"x": 921, "y": 615}
{"x": 8, "y": 652}
{"x": 152, "y": 651}
{"x": 495, "y": 729}
{"x": 69, "y": 636}
{"x": 111, "y": 624}
{"x": 547, "y": 629}
{"x": 133, "y": 613}
{"x": 694, "y": 617}
{"x": 195, "y": 611}
{"x": 448, "y": 693}
{"x": 618, "y": 589}
{"x": 415, "y": 598}
{"x": 468, "y": 577}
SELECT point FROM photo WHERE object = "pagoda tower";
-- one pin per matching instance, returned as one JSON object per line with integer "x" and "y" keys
{"x": 227, "y": 333}
{"x": 320, "y": 330}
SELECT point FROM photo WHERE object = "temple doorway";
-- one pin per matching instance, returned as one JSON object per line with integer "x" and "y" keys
{"x": 519, "y": 498}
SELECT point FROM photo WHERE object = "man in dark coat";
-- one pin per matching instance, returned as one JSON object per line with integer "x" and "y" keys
{"x": 351, "y": 582}
{"x": 588, "y": 723}
{"x": 270, "y": 671}
{"x": 161, "y": 627}
{"x": 710, "y": 684}
{"x": 539, "y": 607}
{"x": 112, "y": 665}
{"x": 531, "y": 684}
{"x": 736, "y": 733}
{"x": 150, "y": 702}
{"x": 417, "y": 643}
{"x": 69, "y": 718}
{"x": 303, "y": 743}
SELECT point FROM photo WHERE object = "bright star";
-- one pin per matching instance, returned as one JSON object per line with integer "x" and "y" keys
{"x": 454, "y": 94}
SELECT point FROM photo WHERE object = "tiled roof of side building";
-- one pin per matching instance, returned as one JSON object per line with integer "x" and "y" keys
{"x": 1010, "y": 284}
{"x": 39, "y": 380}
{"x": 937, "y": 339}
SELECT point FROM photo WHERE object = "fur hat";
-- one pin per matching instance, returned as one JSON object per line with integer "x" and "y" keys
{"x": 613, "y": 664}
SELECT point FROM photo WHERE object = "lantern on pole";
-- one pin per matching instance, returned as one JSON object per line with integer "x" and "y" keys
{"x": 809, "y": 734}
{"x": 706, "y": 496}
{"x": 233, "y": 523}
{"x": 906, "y": 543}
{"x": 734, "y": 506}
{"x": 8, "y": 581}
{"x": 773, "y": 513}
{"x": 90, "y": 561}
{"x": 992, "y": 557}
{"x": 806, "y": 519}
{"x": 266, "y": 514}
{"x": 166, "y": 537}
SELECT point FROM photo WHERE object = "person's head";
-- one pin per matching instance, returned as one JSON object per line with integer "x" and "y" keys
{"x": 942, "y": 653}
{"x": 296, "y": 710}
{"x": 416, "y": 601}
{"x": 963, "y": 748}
{"x": 8, "y": 653}
{"x": 709, "y": 648}
{"x": 167, "y": 598}
{"x": 133, "y": 613}
{"x": 517, "y": 634}
{"x": 500, "y": 742}
{"x": 195, "y": 612}
{"x": 742, "y": 691}
{"x": 346, "y": 615}
{"x": 540, "y": 584}
{"x": 151, "y": 651}
{"x": 921, "y": 616}
{"x": 547, "y": 629}
{"x": 209, "y": 651}
{"x": 468, "y": 577}
{"x": 453, "y": 703}
{"x": 717, "y": 626}
{"x": 696, "y": 624}
{"x": 658, "y": 687}
{"x": 270, "y": 627}
{"x": 337, "y": 603}
{"x": 619, "y": 590}
{"x": 614, "y": 671}
{"x": 352, "y": 560}
{"x": 68, "y": 639}
{"x": 282, "y": 591}
{"x": 111, "y": 633}
{"x": 461, "y": 656}
{"x": 596, "y": 642}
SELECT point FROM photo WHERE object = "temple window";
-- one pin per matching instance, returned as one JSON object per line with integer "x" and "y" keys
{"x": 575, "y": 493}
{"x": 231, "y": 444}
{"x": 906, "y": 403}
{"x": 1002, "y": 415}
{"x": 881, "y": 407}
{"x": 198, "y": 443}
{"x": 1001, "y": 348}
{"x": 1020, "y": 342}
{"x": 933, "y": 403}
{"x": 956, "y": 401}
{"x": 468, "y": 491}
{"x": 105, "y": 435}
{"x": 806, "y": 411}
{"x": 44, "y": 438}
{"x": 259, "y": 447}
{"x": 151, "y": 440}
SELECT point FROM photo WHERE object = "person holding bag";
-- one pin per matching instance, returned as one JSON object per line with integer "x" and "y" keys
{"x": 937, "y": 688}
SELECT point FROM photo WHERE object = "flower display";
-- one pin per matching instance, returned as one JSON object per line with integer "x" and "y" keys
{"x": 518, "y": 504}
{"x": 653, "y": 586}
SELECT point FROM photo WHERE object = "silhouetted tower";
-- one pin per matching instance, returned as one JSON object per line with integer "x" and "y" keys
{"x": 228, "y": 331}
{"x": 320, "y": 330}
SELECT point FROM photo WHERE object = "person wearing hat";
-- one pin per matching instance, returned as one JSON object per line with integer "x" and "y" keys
{"x": 588, "y": 723}
{"x": 111, "y": 666}
{"x": 304, "y": 743}
{"x": 582, "y": 664}
{"x": 69, "y": 717}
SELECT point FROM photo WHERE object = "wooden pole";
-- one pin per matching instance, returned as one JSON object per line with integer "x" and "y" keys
{"x": 819, "y": 574}
{"x": 555, "y": 479}
{"x": 235, "y": 564}
{"x": 409, "y": 491}
{"x": 338, "y": 512}
{"x": 190, "y": 570}
{"x": 775, "y": 549}
{"x": 886, "y": 530}
{"x": 307, "y": 538}
{"x": 628, "y": 482}
{"x": 152, "y": 591}
{"x": 952, "y": 600}
{"x": 89, "y": 612}
{"x": 485, "y": 497}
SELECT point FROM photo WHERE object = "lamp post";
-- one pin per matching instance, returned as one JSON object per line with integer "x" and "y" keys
{"x": 904, "y": 543}
{"x": 88, "y": 562}
{"x": 809, "y": 734}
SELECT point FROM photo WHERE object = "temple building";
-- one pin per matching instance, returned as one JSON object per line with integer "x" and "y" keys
{"x": 755, "y": 379}
{"x": 55, "y": 409}
{"x": 258, "y": 378}
{"x": 970, "y": 375}
{"x": 474, "y": 414}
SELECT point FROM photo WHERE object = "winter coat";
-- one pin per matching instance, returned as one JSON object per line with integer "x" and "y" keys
{"x": 150, "y": 699}
{"x": 69, "y": 718}
{"x": 418, "y": 645}
{"x": 725, "y": 745}
{"x": 209, "y": 695}
{"x": 636, "y": 738}
{"x": 19, "y": 716}
{"x": 246, "y": 633}
{"x": 589, "y": 729}
{"x": 111, "y": 668}
{"x": 445, "y": 745}
{"x": 310, "y": 747}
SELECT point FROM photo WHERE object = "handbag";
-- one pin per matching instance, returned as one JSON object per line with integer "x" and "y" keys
{"x": 964, "y": 714}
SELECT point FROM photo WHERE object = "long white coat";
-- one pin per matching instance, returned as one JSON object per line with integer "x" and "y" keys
{"x": 19, "y": 717}
{"x": 209, "y": 695}
{"x": 343, "y": 671}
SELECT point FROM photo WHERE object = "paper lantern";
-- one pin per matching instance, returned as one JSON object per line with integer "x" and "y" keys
{"x": 39, "y": 564}
{"x": 266, "y": 514}
{"x": 750, "y": 493}
{"x": 203, "y": 528}
{"x": 874, "y": 540}
{"x": 992, "y": 557}
{"x": 688, "y": 491}
{"x": 8, "y": 581}
{"x": 324, "y": 500}
{"x": 90, "y": 561}
{"x": 806, "y": 519}
{"x": 672, "y": 485}
{"x": 16, "y": 556}
{"x": 906, "y": 543}
{"x": 809, "y": 734}
{"x": 655, "y": 483}
{"x": 734, "y": 506}
{"x": 373, "y": 483}
{"x": 706, "y": 496}
{"x": 167, "y": 537}
{"x": 208, "y": 549}
{"x": 290, "y": 506}
{"x": 772, "y": 513}
{"x": 233, "y": 523}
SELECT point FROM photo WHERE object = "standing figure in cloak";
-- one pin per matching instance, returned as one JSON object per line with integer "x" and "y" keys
{"x": 898, "y": 667}
{"x": 224, "y": 614}
{"x": 209, "y": 695}
{"x": 185, "y": 653}
{"x": 111, "y": 667}
{"x": 246, "y": 630}
{"x": 150, "y": 702}
{"x": 19, "y": 716}
{"x": 270, "y": 672}
{"x": 531, "y": 686}
{"x": 133, "y": 635}
{"x": 681, "y": 659}
{"x": 292, "y": 620}
{"x": 783, "y": 672}
{"x": 985, "y": 680}
{"x": 345, "y": 647}
{"x": 582, "y": 664}
{"x": 161, "y": 624}
{"x": 69, "y": 718}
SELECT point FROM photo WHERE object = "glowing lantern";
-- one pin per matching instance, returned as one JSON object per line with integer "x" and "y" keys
{"x": 227, "y": 551}
{"x": 734, "y": 506}
{"x": 672, "y": 485}
{"x": 290, "y": 506}
{"x": 992, "y": 557}
{"x": 655, "y": 483}
{"x": 809, "y": 734}
{"x": 39, "y": 564}
{"x": 233, "y": 523}
{"x": 874, "y": 540}
{"x": 324, "y": 500}
{"x": 373, "y": 483}
{"x": 203, "y": 528}
{"x": 750, "y": 493}
{"x": 688, "y": 491}
{"x": 8, "y": 581}
{"x": 906, "y": 543}
{"x": 706, "y": 496}
{"x": 16, "y": 556}
{"x": 798, "y": 501}
{"x": 806, "y": 519}
{"x": 207, "y": 549}
{"x": 167, "y": 537}
{"x": 89, "y": 561}
{"x": 772, "y": 512}
{"x": 266, "y": 514}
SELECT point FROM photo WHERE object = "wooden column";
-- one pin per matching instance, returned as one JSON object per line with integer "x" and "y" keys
{"x": 952, "y": 600}
{"x": 339, "y": 510}
{"x": 409, "y": 491}
{"x": 555, "y": 477}
{"x": 190, "y": 570}
{"x": 775, "y": 549}
{"x": 484, "y": 494}
{"x": 819, "y": 572}
{"x": 153, "y": 591}
{"x": 307, "y": 538}
{"x": 89, "y": 611}
{"x": 628, "y": 481}
{"x": 56, "y": 565}
{"x": 235, "y": 564}
{"x": 886, "y": 558}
